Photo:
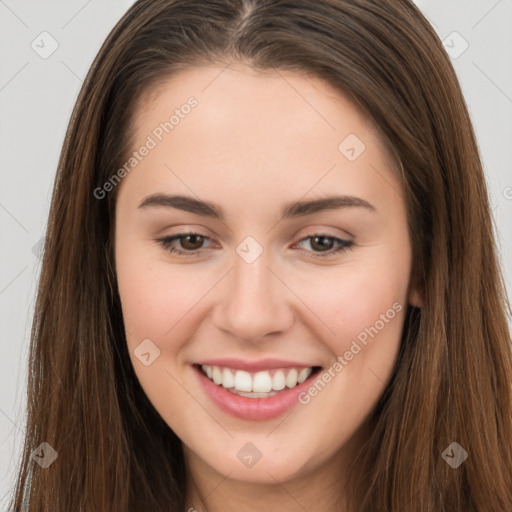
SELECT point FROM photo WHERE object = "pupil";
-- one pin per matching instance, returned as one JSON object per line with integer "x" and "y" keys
{"x": 326, "y": 242}
{"x": 196, "y": 240}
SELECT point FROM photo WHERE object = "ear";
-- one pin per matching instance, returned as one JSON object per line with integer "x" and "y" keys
{"x": 415, "y": 292}
{"x": 415, "y": 297}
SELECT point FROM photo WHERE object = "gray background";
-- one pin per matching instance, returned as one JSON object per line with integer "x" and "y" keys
{"x": 36, "y": 98}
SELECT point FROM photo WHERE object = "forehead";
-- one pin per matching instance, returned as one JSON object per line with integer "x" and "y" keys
{"x": 281, "y": 96}
{"x": 256, "y": 131}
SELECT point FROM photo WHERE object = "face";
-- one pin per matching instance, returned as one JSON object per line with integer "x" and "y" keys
{"x": 263, "y": 262}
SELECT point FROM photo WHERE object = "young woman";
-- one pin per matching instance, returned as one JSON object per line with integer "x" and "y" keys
{"x": 270, "y": 278}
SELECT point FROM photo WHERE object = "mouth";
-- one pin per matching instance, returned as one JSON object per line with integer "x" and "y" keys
{"x": 262, "y": 384}
{"x": 255, "y": 395}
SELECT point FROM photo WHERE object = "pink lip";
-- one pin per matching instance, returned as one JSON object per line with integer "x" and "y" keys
{"x": 253, "y": 409}
{"x": 253, "y": 366}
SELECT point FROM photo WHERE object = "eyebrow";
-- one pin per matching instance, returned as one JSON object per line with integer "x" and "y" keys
{"x": 291, "y": 210}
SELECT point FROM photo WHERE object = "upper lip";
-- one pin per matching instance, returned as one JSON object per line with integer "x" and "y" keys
{"x": 255, "y": 365}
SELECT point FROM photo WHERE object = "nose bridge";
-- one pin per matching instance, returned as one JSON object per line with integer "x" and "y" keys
{"x": 254, "y": 302}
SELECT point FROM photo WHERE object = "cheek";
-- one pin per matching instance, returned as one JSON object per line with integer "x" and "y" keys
{"x": 360, "y": 301}
{"x": 155, "y": 296}
{"x": 156, "y": 304}
{"x": 364, "y": 303}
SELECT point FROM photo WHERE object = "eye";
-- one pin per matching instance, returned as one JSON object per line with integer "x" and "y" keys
{"x": 326, "y": 245}
{"x": 192, "y": 244}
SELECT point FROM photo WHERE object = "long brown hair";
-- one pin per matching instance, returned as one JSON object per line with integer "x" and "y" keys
{"x": 453, "y": 378}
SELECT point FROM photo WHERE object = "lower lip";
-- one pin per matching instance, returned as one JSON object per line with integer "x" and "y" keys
{"x": 254, "y": 409}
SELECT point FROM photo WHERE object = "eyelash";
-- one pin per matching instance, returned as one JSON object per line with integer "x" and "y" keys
{"x": 166, "y": 242}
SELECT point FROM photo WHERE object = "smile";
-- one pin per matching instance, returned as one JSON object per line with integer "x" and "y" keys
{"x": 256, "y": 385}
{"x": 254, "y": 392}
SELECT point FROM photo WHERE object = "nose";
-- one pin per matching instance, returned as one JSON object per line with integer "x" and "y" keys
{"x": 253, "y": 302}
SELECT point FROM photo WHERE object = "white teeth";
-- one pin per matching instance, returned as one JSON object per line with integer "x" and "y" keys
{"x": 262, "y": 382}
{"x": 217, "y": 375}
{"x": 228, "y": 381}
{"x": 303, "y": 375}
{"x": 278, "y": 380}
{"x": 259, "y": 384}
{"x": 243, "y": 381}
{"x": 253, "y": 395}
{"x": 291, "y": 378}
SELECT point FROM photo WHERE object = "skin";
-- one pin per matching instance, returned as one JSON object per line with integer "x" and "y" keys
{"x": 255, "y": 142}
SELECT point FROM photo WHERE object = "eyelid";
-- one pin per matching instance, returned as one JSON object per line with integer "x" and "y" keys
{"x": 342, "y": 244}
{"x": 322, "y": 230}
{"x": 164, "y": 241}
